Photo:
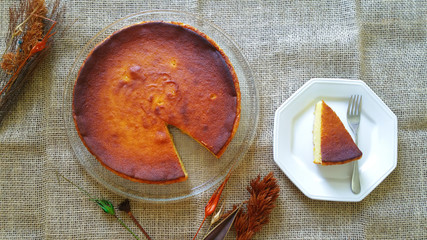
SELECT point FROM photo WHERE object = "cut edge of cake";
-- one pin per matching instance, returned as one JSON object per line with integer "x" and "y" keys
{"x": 316, "y": 133}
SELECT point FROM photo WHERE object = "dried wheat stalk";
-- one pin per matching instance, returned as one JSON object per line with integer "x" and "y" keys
{"x": 259, "y": 206}
{"x": 29, "y": 23}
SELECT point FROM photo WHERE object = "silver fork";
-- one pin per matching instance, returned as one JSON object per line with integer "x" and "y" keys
{"x": 353, "y": 119}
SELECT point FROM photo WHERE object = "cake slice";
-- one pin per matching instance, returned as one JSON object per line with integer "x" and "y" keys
{"x": 332, "y": 143}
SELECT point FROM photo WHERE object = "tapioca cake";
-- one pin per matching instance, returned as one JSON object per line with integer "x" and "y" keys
{"x": 142, "y": 79}
{"x": 332, "y": 143}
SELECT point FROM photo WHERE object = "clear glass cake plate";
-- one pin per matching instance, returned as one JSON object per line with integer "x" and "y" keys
{"x": 204, "y": 170}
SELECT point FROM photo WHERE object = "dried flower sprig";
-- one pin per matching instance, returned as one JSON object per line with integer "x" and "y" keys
{"x": 259, "y": 206}
{"x": 29, "y": 36}
{"x": 125, "y": 207}
{"x": 214, "y": 200}
{"x": 215, "y": 218}
{"x": 104, "y": 204}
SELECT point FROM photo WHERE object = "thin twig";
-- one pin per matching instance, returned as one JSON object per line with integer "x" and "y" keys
{"x": 75, "y": 185}
{"x": 139, "y": 225}
{"x": 125, "y": 207}
{"x": 127, "y": 228}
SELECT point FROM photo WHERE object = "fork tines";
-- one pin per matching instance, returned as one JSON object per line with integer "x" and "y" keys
{"x": 354, "y": 107}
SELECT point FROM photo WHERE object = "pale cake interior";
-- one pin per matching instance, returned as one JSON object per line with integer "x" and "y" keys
{"x": 316, "y": 133}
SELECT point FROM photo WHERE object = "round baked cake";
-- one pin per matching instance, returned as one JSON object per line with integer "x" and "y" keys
{"x": 140, "y": 80}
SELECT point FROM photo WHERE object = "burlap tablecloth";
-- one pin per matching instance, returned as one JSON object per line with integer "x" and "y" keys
{"x": 286, "y": 43}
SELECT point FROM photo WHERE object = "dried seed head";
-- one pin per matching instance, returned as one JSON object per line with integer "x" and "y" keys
{"x": 218, "y": 215}
{"x": 125, "y": 206}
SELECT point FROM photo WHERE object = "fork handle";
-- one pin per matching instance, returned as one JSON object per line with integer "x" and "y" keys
{"x": 355, "y": 136}
{"x": 355, "y": 180}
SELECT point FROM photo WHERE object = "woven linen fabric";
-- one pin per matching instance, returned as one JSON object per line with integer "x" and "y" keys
{"x": 286, "y": 43}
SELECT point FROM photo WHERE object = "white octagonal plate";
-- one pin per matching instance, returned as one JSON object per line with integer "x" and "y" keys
{"x": 293, "y": 140}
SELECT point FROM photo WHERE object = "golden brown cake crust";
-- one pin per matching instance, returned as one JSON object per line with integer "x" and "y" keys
{"x": 143, "y": 78}
{"x": 337, "y": 146}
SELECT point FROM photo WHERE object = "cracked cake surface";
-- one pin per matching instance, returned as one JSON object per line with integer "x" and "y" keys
{"x": 140, "y": 80}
